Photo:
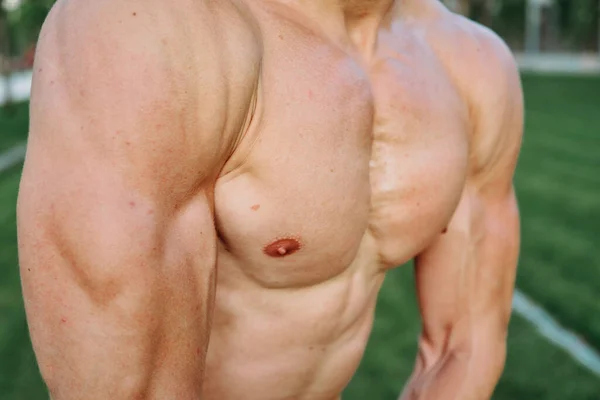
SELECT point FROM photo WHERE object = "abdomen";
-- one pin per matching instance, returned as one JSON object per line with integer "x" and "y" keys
{"x": 289, "y": 344}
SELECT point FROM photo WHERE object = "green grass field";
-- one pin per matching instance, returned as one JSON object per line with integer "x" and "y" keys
{"x": 558, "y": 183}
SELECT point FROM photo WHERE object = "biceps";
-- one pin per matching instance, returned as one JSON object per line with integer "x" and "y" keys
{"x": 468, "y": 274}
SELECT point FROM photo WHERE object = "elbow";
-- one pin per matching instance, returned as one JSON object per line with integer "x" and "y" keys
{"x": 458, "y": 372}
{"x": 483, "y": 346}
{"x": 483, "y": 359}
{"x": 465, "y": 350}
{"x": 478, "y": 358}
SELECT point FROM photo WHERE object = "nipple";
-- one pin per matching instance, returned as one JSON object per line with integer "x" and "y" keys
{"x": 282, "y": 248}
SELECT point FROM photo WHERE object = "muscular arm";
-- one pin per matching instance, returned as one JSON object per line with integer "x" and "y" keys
{"x": 465, "y": 279}
{"x": 115, "y": 216}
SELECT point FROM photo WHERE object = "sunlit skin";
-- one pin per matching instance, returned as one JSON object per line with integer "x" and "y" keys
{"x": 214, "y": 192}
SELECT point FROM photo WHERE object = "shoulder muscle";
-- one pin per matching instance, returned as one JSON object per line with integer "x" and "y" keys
{"x": 487, "y": 74}
{"x": 145, "y": 88}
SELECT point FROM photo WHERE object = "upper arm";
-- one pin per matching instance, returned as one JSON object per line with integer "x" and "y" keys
{"x": 118, "y": 139}
{"x": 129, "y": 130}
{"x": 465, "y": 278}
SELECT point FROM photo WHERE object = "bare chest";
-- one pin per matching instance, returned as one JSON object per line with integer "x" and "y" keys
{"x": 419, "y": 152}
{"x": 341, "y": 163}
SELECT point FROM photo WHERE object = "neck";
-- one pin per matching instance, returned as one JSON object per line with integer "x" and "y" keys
{"x": 349, "y": 9}
{"x": 363, "y": 19}
{"x": 364, "y": 8}
{"x": 358, "y": 20}
{"x": 361, "y": 8}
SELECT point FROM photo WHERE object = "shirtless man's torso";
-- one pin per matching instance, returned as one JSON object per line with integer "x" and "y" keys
{"x": 214, "y": 191}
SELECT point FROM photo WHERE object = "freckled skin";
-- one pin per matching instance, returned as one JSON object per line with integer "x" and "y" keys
{"x": 215, "y": 190}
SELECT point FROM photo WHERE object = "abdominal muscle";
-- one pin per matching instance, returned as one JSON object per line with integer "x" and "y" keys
{"x": 289, "y": 344}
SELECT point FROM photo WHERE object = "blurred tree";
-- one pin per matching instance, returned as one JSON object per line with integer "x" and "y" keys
{"x": 566, "y": 25}
{"x": 460, "y": 6}
{"x": 509, "y": 22}
{"x": 485, "y": 11}
{"x": 32, "y": 14}
{"x": 581, "y": 20}
{"x": 465, "y": 5}
{"x": 560, "y": 25}
{"x": 24, "y": 24}
{"x": 5, "y": 53}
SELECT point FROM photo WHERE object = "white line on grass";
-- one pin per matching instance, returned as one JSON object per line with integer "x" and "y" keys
{"x": 537, "y": 316}
{"x": 556, "y": 334}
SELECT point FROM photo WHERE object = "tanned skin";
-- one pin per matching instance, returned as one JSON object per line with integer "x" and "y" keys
{"x": 214, "y": 192}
